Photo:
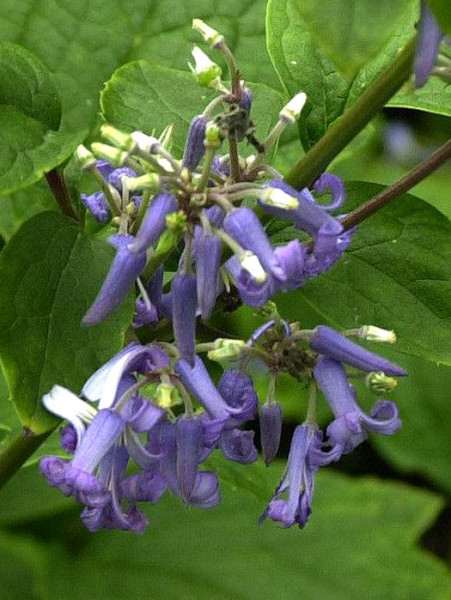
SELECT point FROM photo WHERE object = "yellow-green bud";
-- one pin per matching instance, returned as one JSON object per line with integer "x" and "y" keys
{"x": 121, "y": 140}
{"x": 379, "y": 383}
{"x": 113, "y": 155}
{"x": 167, "y": 395}
{"x": 149, "y": 181}
{"x": 176, "y": 220}
{"x": 370, "y": 333}
{"x": 206, "y": 72}
{"x": 212, "y": 139}
{"x": 226, "y": 350}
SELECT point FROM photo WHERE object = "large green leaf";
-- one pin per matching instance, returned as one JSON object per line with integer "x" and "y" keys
{"x": 50, "y": 275}
{"x": 22, "y": 568}
{"x": 30, "y": 114}
{"x": 396, "y": 274}
{"x": 442, "y": 10}
{"x": 166, "y": 37}
{"x": 302, "y": 62}
{"x": 144, "y": 96}
{"x": 344, "y": 552}
{"x": 352, "y": 32}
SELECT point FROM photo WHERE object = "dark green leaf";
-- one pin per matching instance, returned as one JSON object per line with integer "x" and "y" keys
{"x": 396, "y": 274}
{"x": 27, "y": 85}
{"x": 50, "y": 275}
{"x": 22, "y": 568}
{"x": 343, "y": 553}
{"x": 18, "y": 207}
{"x": 442, "y": 10}
{"x": 303, "y": 64}
{"x": 144, "y": 96}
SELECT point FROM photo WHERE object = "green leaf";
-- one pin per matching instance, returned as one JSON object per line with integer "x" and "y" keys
{"x": 30, "y": 114}
{"x": 442, "y": 11}
{"x": 50, "y": 275}
{"x": 351, "y": 32}
{"x": 18, "y": 207}
{"x": 22, "y": 568}
{"x": 27, "y": 85}
{"x": 396, "y": 274}
{"x": 343, "y": 553}
{"x": 166, "y": 36}
{"x": 423, "y": 444}
{"x": 302, "y": 62}
{"x": 434, "y": 97}
{"x": 144, "y": 96}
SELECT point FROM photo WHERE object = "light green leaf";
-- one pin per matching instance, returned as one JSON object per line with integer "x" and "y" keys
{"x": 166, "y": 36}
{"x": 343, "y": 553}
{"x": 302, "y": 63}
{"x": 50, "y": 275}
{"x": 352, "y": 32}
{"x": 396, "y": 274}
{"x": 434, "y": 97}
{"x": 144, "y": 96}
{"x": 442, "y": 10}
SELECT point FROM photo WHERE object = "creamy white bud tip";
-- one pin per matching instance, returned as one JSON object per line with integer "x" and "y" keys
{"x": 145, "y": 142}
{"x": 278, "y": 198}
{"x": 250, "y": 263}
{"x": 291, "y": 111}
{"x": 376, "y": 334}
{"x": 209, "y": 34}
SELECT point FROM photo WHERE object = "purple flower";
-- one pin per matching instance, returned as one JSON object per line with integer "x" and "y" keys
{"x": 238, "y": 391}
{"x": 251, "y": 291}
{"x": 184, "y": 308}
{"x": 115, "y": 177}
{"x": 297, "y": 482}
{"x": 97, "y": 206}
{"x": 429, "y": 38}
{"x": 189, "y": 444}
{"x": 270, "y": 430}
{"x": 197, "y": 381}
{"x": 238, "y": 446}
{"x": 194, "y": 148}
{"x": 332, "y": 344}
{"x": 208, "y": 251}
{"x": 104, "y": 168}
{"x": 123, "y": 272}
{"x": 350, "y": 426}
{"x": 336, "y": 187}
{"x": 68, "y": 438}
{"x": 145, "y": 313}
{"x": 292, "y": 258}
{"x": 154, "y": 222}
{"x": 244, "y": 226}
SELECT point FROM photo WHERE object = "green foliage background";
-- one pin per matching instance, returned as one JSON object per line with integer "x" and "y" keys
{"x": 65, "y": 65}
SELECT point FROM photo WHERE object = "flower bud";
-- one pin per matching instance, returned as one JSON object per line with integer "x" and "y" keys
{"x": 86, "y": 158}
{"x": 167, "y": 395}
{"x": 121, "y": 140}
{"x": 370, "y": 333}
{"x": 250, "y": 263}
{"x": 226, "y": 350}
{"x": 278, "y": 198}
{"x": 150, "y": 181}
{"x": 379, "y": 383}
{"x": 113, "y": 155}
{"x": 212, "y": 139}
{"x": 194, "y": 147}
{"x": 206, "y": 72}
{"x": 270, "y": 430}
{"x": 291, "y": 111}
{"x": 210, "y": 35}
{"x": 146, "y": 143}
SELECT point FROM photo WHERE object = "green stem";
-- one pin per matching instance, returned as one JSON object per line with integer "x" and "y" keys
{"x": 18, "y": 452}
{"x": 338, "y": 136}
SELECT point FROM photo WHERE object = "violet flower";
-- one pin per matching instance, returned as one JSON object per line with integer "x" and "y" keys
{"x": 154, "y": 222}
{"x": 336, "y": 187}
{"x": 97, "y": 206}
{"x": 244, "y": 226}
{"x": 194, "y": 148}
{"x": 189, "y": 444}
{"x": 239, "y": 393}
{"x": 332, "y": 344}
{"x": 208, "y": 251}
{"x": 251, "y": 291}
{"x": 184, "y": 308}
{"x": 270, "y": 430}
{"x": 350, "y": 426}
{"x": 238, "y": 446}
{"x": 126, "y": 267}
{"x": 429, "y": 38}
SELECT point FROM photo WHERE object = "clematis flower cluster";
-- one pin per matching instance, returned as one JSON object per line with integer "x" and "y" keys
{"x": 146, "y": 421}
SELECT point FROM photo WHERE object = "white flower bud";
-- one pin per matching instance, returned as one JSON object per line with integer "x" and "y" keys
{"x": 210, "y": 35}
{"x": 226, "y": 349}
{"x": 121, "y": 140}
{"x": 206, "y": 72}
{"x": 278, "y": 198}
{"x": 150, "y": 181}
{"x": 291, "y": 111}
{"x": 371, "y": 333}
{"x": 250, "y": 263}
{"x": 86, "y": 158}
{"x": 146, "y": 143}
{"x": 113, "y": 155}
